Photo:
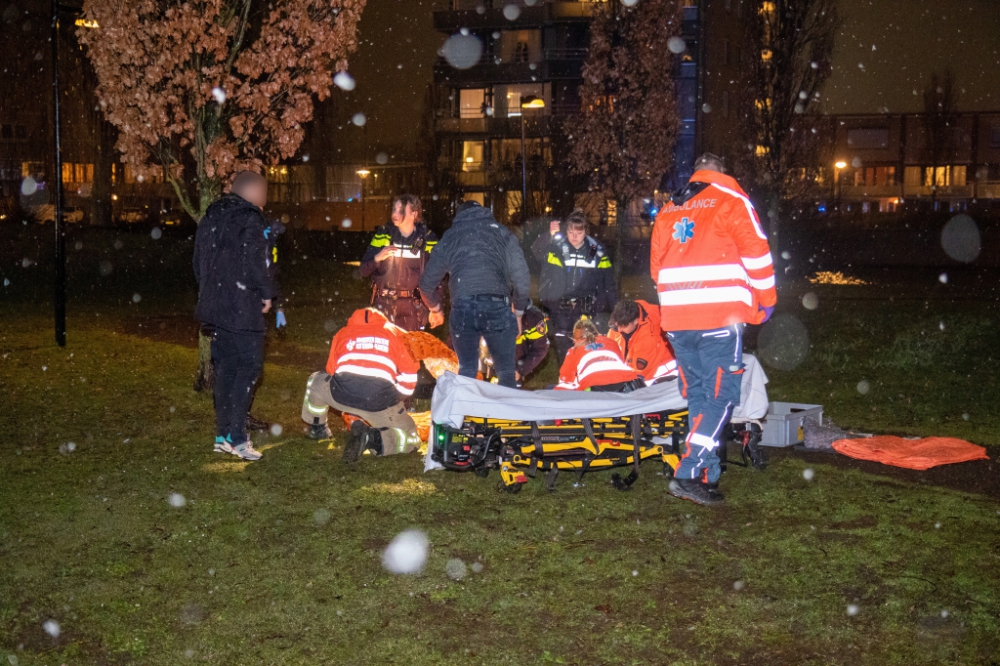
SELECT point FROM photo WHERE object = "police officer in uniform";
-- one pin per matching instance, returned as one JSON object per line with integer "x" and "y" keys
{"x": 576, "y": 277}
{"x": 532, "y": 346}
{"x": 395, "y": 260}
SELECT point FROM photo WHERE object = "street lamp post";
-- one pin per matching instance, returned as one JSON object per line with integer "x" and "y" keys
{"x": 839, "y": 166}
{"x": 529, "y": 102}
{"x": 364, "y": 175}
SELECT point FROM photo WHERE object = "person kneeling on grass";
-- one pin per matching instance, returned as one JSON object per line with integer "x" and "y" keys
{"x": 595, "y": 363}
{"x": 369, "y": 373}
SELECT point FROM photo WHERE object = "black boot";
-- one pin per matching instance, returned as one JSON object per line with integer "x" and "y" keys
{"x": 359, "y": 441}
{"x": 695, "y": 491}
{"x": 319, "y": 431}
{"x": 375, "y": 441}
{"x": 257, "y": 424}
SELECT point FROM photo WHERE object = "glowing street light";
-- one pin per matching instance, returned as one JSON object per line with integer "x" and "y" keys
{"x": 839, "y": 164}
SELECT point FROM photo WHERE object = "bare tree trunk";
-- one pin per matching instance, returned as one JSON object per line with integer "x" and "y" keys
{"x": 101, "y": 210}
{"x": 205, "y": 378}
{"x": 773, "y": 228}
{"x": 622, "y": 235}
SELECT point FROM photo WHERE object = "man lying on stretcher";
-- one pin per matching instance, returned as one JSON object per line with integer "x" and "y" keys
{"x": 595, "y": 363}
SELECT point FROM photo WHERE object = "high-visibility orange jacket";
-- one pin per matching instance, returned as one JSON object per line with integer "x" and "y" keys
{"x": 709, "y": 257}
{"x": 370, "y": 346}
{"x": 597, "y": 364}
{"x": 646, "y": 350}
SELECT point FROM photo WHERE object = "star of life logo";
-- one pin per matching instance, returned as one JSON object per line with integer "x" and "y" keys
{"x": 684, "y": 230}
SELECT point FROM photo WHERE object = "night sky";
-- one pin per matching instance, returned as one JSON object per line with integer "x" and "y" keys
{"x": 911, "y": 39}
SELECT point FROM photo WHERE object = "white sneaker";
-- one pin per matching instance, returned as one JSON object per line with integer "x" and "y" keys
{"x": 247, "y": 452}
{"x": 222, "y": 446}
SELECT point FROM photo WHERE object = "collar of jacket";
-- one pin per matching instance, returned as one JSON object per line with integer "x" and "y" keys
{"x": 716, "y": 178}
{"x": 475, "y": 214}
{"x": 589, "y": 247}
{"x": 229, "y": 201}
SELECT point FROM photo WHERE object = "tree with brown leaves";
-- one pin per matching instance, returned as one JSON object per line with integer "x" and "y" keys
{"x": 623, "y": 139}
{"x": 205, "y": 88}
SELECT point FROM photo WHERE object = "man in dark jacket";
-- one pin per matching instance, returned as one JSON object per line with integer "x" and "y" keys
{"x": 576, "y": 277}
{"x": 234, "y": 293}
{"x": 394, "y": 261}
{"x": 489, "y": 285}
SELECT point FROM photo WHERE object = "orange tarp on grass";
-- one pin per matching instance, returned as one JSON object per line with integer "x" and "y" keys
{"x": 911, "y": 453}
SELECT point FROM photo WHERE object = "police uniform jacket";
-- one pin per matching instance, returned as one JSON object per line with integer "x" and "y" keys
{"x": 574, "y": 273}
{"x": 533, "y": 343}
{"x": 399, "y": 273}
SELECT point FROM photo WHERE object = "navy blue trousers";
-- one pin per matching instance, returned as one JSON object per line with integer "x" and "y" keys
{"x": 711, "y": 370}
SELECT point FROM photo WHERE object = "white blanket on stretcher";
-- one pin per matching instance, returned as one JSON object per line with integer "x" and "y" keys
{"x": 456, "y": 397}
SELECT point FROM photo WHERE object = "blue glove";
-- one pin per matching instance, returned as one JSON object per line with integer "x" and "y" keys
{"x": 267, "y": 233}
{"x": 280, "y": 320}
{"x": 767, "y": 310}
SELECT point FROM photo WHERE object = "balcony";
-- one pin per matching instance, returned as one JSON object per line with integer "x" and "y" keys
{"x": 535, "y": 126}
{"x": 466, "y": 14}
{"x": 507, "y": 174}
{"x": 869, "y": 191}
{"x": 943, "y": 191}
{"x": 988, "y": 190}
{"x": 487, "y": 71}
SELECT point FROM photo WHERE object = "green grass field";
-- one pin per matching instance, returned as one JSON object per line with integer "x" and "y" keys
{"x": 279, "y": 561}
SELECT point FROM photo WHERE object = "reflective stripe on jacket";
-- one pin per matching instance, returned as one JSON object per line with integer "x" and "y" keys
{"x": 597, "y": 364}
{"x": 710, "y": 259}
{"x": 370, "y": 346}
{"x": 570, "y": 272}
{"x": 401, "y": 271}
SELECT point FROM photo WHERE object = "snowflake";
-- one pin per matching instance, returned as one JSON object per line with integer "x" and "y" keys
{"x": 684, "y": 230}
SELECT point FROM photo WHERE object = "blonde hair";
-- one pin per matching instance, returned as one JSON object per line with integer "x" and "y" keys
{"x": 585, "y": 325}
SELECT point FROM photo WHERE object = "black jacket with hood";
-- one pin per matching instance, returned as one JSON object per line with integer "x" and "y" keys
{"x": 230, "y": 264}
{"x": 480, "y": 256}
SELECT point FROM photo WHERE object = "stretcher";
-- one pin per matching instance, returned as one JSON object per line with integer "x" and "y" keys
{"x": 480, "y": 427}
{"x": 520, "y": 449}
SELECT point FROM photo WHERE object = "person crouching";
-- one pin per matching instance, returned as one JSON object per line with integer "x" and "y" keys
{"x": 595, "y": 363}
{"x": 635, "y": 326}
{"x": 369, "y": 373}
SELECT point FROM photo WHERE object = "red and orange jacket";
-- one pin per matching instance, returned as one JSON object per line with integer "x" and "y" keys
{"x": 709, "y": 257}
{"x": 646, "y": 351}
{"x": 370, "y": 346}
{"x": 597, "y": 364}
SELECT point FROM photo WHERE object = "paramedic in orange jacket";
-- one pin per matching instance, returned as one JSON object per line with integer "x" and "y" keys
{"x": 712, "y": 266}
{"x": 369, "y": 373}
{"x": 635, "y": 326}
{"x": 594, "y": 363}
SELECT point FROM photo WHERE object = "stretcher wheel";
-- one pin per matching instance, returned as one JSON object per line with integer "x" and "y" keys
{"x": 513, "y": 488}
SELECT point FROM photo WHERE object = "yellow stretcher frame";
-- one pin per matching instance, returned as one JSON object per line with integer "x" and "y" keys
{"x": 519, "y": 449}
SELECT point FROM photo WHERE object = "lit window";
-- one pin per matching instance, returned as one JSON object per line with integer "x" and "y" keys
{"x": 762, "y": 151}
{"x": 766, "y": 55}
{"x": 472, "y": 155}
